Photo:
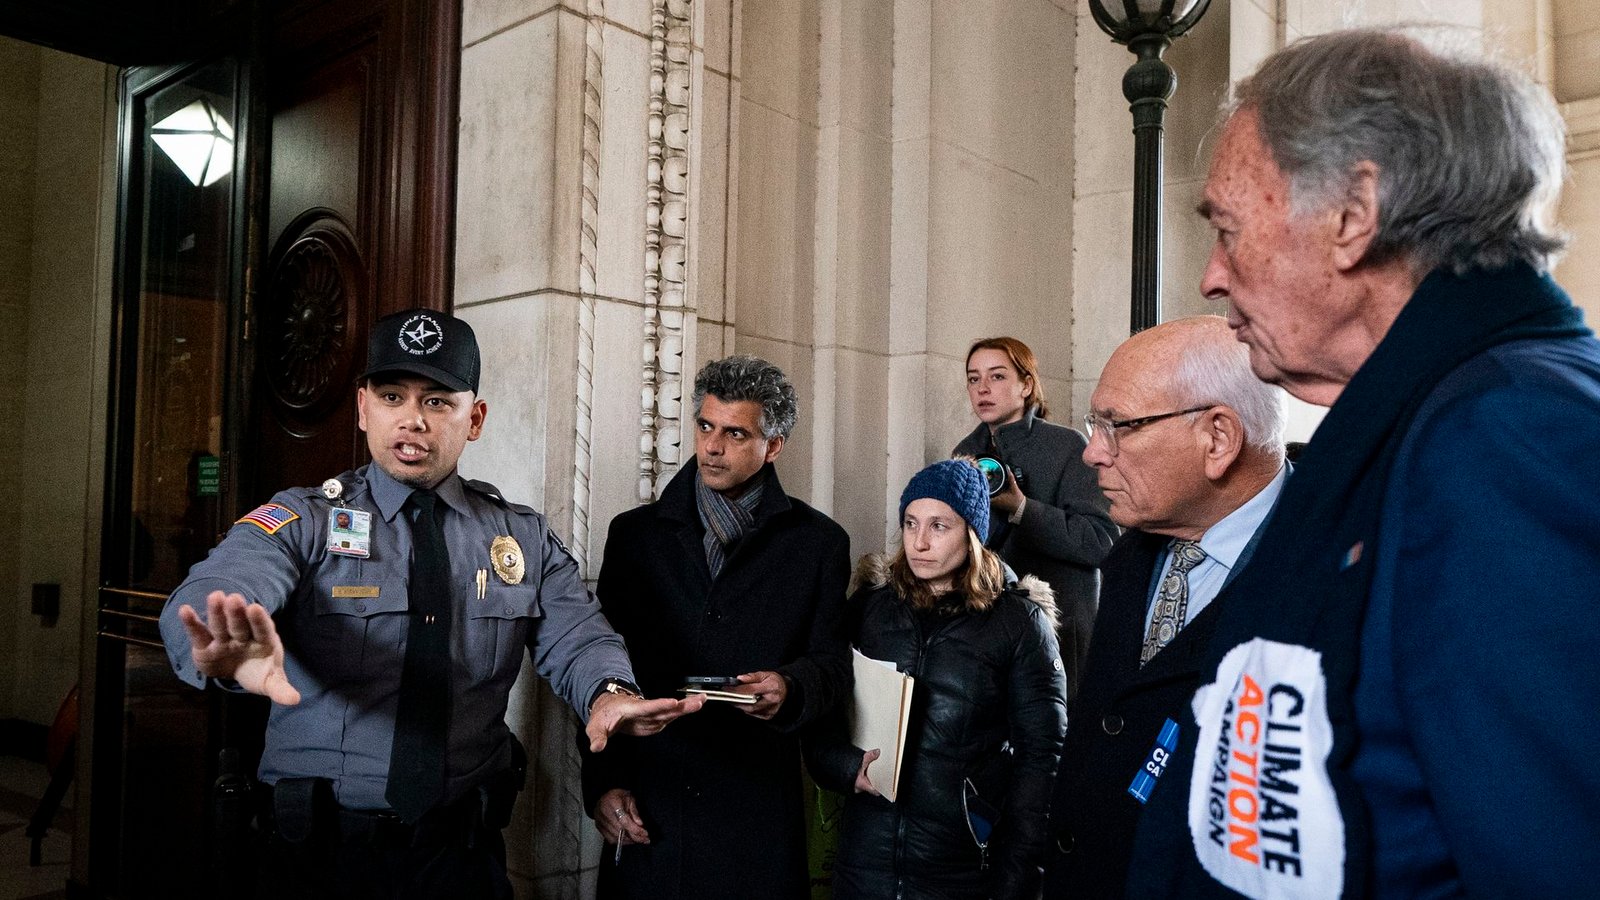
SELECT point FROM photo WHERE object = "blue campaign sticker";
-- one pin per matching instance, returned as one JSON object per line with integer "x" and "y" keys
{"x": 1156, "y": 763}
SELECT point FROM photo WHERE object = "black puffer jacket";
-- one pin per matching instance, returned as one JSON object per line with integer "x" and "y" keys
{"x": 989, "y": 705}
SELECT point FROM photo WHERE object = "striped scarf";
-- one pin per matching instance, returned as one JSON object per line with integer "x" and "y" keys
{"x": 725, "y": 521}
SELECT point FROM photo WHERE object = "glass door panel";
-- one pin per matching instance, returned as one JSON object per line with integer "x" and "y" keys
{"x": 155, "y": 737}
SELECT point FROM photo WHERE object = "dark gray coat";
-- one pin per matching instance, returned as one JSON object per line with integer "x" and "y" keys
{"x": 1066, "y": 528}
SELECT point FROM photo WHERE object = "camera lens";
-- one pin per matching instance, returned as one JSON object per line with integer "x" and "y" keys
{"x": 994, "y": 472}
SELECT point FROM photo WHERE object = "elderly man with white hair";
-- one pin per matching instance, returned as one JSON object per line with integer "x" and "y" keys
{"x": 1188, "y": 447}
{"x": 1400, "y": 696}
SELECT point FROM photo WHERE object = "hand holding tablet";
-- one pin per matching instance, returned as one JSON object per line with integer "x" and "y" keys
{"x": 712, "y": 688}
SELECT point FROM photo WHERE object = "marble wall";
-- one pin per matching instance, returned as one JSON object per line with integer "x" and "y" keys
{"x": 592, "y": 225}
{"x": 916, "y": 198}
{"x": 19, "y": 107}
{"x": 1000, "y": 218}
{"x": 1103, "y": 202}
{"x": 854, "y": 190}
{"x": 1576, "y": 81}
{"x": 55, "y": 188}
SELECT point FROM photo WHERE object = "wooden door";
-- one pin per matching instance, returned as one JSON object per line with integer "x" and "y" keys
{"x": 360, "y": 100}
{"x": 243, "y": 305}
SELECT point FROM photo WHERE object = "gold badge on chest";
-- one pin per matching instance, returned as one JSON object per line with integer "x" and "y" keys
{"x": 505, "y": 554}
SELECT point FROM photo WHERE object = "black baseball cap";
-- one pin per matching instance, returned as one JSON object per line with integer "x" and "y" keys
{"x": 425, "y": 342}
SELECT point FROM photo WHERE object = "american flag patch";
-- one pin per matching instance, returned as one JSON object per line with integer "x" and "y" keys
{"x": 269, "y": 517}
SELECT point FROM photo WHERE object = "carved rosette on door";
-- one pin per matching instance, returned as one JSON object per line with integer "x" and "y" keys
{"x": 310, "y": 328}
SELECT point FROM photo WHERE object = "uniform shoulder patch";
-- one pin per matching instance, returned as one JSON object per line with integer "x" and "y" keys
{"x": 269, "y": 517}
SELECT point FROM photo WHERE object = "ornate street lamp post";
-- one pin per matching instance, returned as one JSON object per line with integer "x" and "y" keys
{"x": 1148, "y": 28}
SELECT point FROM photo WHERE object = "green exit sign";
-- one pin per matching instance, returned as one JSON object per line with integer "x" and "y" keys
{"x": 209, "y": 480}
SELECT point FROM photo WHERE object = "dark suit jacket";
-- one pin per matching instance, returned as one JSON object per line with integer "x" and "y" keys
{"x": 1113, "y": 723}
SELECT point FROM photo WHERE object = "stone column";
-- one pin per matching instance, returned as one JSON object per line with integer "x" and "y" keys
{"x": 1102, "y": 209}
{"x": 590, "y": 132}
{"x": 904, "y": 189}
{"x": 983, "y": 216}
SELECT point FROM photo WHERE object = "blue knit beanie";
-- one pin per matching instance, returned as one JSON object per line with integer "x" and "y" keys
{"x": 958, "y": 483}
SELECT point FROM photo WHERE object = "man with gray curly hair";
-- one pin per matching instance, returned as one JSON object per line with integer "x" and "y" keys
{"x": 1399, "y": 696}
{"x": 751, "y": 378}
{"x": 727, "y": 580}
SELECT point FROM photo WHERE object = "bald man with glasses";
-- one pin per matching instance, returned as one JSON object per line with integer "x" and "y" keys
{"x": 1188, "y": 447}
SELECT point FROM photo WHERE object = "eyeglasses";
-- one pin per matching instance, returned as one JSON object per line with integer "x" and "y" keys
{"x": 1097, "y": 424}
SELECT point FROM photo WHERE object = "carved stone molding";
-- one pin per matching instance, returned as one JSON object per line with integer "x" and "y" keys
{"x": 588, "y": 251}
{"x": 308, "y": 334}
{"x": 666, "y": 240}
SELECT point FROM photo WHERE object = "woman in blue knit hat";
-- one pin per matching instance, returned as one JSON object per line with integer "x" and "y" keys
{"x": 988, "y": 710}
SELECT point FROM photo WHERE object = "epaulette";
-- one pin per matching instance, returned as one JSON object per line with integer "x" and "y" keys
{"x": 493, "y": 493}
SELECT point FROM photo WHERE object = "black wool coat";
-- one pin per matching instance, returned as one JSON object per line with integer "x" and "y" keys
{"x": 1116, "y": 718}
{"x": 720, "y": 791}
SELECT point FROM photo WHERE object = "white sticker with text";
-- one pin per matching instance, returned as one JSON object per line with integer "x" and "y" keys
{"x": 1262, "y": 812}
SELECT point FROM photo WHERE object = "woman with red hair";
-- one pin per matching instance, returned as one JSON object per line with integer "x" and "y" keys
{"x": 1050, "y": 519}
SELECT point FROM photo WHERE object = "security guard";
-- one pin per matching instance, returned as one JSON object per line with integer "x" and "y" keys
{"x": 385, "y": 614}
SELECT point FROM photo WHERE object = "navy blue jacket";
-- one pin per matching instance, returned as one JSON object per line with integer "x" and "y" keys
{"x": 1400, "y": 697}
{"x": 1478, "y": 701}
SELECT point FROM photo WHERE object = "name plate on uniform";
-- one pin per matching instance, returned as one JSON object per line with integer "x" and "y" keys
{"x": 354, "y": 591}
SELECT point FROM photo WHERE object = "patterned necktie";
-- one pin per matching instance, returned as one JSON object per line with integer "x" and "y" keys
{"x": 1172, "y": 601}
{"x": 422, "y": 714}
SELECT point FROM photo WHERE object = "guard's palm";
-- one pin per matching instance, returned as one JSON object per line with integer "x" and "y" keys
{"x": 238, "y": 640}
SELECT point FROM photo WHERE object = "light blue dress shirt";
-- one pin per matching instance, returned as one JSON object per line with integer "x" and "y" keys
{"x": 1223, "y": 544}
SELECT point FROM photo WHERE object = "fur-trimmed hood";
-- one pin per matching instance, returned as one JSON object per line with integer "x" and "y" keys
{"x": 872, "y": 571}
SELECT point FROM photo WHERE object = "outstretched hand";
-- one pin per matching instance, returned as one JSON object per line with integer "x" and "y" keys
{"x": 239, "y": 641}
{"x": 622, "y": 714}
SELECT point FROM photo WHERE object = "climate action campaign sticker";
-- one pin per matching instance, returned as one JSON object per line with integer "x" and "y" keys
{"x": 1262, "y": 812}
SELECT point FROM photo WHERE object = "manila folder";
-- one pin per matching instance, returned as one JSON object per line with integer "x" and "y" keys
{"x": 880, "y": 710}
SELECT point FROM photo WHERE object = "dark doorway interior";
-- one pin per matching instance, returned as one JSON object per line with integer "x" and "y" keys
{"x": 243, "y": 287}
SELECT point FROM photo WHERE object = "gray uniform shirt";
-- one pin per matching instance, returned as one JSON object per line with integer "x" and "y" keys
{"x": 343, "y": 621}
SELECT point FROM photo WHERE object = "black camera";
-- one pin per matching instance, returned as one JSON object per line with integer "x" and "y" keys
{"x": 994, "y": 472}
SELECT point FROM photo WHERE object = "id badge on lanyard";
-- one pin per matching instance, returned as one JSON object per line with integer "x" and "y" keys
{"x": 350, "y": 532}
